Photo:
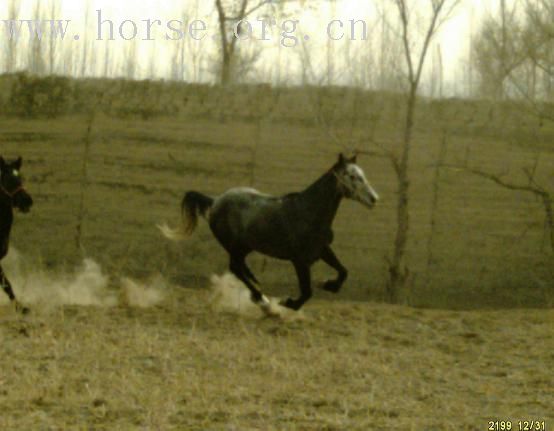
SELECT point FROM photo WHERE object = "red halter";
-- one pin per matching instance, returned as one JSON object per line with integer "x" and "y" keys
{"x": 13, "y": 193}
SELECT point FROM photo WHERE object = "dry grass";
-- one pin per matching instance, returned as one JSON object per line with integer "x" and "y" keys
{"x": 345, "y": 366}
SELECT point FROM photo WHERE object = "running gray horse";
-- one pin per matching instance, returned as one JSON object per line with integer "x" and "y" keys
{"x": 294, "y": 227}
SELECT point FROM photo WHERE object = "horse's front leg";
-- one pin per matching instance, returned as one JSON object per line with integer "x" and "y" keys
{"x": 330, "y": 259}
{"x": 7, "y": 287}
{"x": 304, "y": 281}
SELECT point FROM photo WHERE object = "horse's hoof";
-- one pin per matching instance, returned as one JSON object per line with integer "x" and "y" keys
{"x": 270, "y": 311}
{"x": 264, "y": 302}
{"x": 331, "y": 286}
{"x": 21, "y": 309}
{"x": 291, "y": 303}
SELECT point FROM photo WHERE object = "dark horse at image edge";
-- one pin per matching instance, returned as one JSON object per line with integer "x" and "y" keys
{"x": 12, "y": 195}
{"x": 294, "y": 227}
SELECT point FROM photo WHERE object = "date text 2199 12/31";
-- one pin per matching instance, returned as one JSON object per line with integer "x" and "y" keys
{"x": 523, "y": 425}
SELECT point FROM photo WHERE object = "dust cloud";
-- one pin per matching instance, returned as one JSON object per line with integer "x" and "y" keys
{"x": 136, "y": 294}
{"x": 88, "y": 285}
{"x": 229, "y": 295}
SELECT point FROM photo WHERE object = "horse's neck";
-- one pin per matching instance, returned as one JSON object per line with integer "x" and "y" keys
{"x": 6, "y": 217}
{"x": 323, "y": 198}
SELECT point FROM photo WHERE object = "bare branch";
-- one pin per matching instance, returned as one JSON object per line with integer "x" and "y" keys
{"x": 222, "y": 30}
{"x": 534, "y": 188}
{"x": 245, "y": 13}
{"x": 492, "y": 177}
{"x": 437, "y": 7}
{"x": 402, "y": 11}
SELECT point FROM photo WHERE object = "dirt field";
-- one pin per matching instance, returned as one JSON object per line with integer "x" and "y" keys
{"x": 343, "y": 366}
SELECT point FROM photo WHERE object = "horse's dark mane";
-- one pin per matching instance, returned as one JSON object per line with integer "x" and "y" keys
{"x": 5, "y": 208}
{"x": 6, "y": 217}
{"x": 291, "y": 195}
{"x": 323, "y": 197}
{"x": 319, "y": 201}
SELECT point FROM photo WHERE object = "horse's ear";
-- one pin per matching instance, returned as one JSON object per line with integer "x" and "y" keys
{"x": 342, "y": 159}
{"x": 353, "y": 159}
{"x": 18, "y": 163}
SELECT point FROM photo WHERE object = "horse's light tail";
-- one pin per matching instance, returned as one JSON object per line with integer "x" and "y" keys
{"x": 173, "y": 234}
{"x": 193, "y": 203}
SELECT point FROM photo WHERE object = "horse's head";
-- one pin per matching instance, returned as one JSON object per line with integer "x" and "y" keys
{"x": 352, "y": 182}
{"x": 11, "y": 185}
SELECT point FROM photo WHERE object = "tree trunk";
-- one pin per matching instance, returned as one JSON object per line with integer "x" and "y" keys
{"x": 225, "y": 76}
{"x": 398, "y": 272}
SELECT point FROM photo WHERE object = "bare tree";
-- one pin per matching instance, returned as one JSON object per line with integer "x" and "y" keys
{"x": 179, "y": 63}
{"x": 514, "y": 51}
{"x": 86, "y": 51}
{"x": 129, "y": 65}
{"x": 517, "y": 54}
{"x": 389, "y": 50}
{"x": 227, "y": 40}
{"x": 153, "y": 62}
{"x": 440, "y": 11}
{"x": 68, "y": 53}
{"x": 36, "y": 63}
{"x": 514, "y": 54}
{"x": 470, "y": 63}
{"x": 194, "y": 51}
{"x": 532, "y": 186}
{"x": 497, "y": 50}
{"x": 538, "y": 45}
{"x": 108, "y": 60}
{"x": 436, "y": 83}
{"x": 53, "y": 38}
{"x": 11, "y": 44}
{"x": 330, "y": 50}
{"x": 81, "y": 213}
{"x": 230, "y": 14}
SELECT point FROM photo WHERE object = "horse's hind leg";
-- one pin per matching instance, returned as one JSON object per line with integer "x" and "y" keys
{"x": 7, "y": 287}
{"x": 238, "y": 267}
{"x": 330, "y": 259}
{"x": 248, "y": 273}
{"x": 304, "y": 280}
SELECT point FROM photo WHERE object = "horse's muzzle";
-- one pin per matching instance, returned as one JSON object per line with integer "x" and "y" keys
{"x": 368, "y": 201}
{"x": 23, "y": 201}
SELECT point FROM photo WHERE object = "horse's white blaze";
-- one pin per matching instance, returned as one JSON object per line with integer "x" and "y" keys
{"x": 357, "y": 186}
{"x": 373, "y": 192}
{"x": 15, "y": 173}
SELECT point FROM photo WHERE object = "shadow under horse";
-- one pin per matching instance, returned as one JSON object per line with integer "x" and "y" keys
{"x": 294, "y": 227}
{"x": 12, "y": 195}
